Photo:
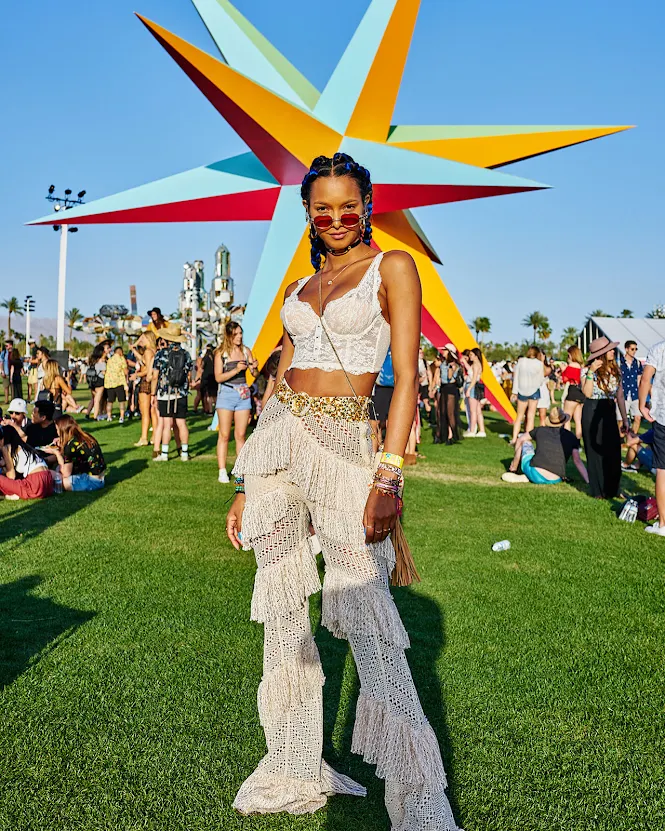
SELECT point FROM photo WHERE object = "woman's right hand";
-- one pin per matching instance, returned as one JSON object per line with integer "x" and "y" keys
{"x": 234, "y": 520}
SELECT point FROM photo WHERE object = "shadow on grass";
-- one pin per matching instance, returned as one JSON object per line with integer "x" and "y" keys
{"x": 424, "y": 622}
{"x": 31, "y": 518}
{"x": 29, "y": 625}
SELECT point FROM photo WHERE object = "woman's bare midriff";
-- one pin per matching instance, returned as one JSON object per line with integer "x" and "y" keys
{"x": 318, "y": 383}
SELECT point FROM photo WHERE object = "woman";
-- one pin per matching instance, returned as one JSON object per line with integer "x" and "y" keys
{"x": 79, "y": 457}
{"x": 146, "y": 347}
{"x": 435, "y": 396}
{"x": 157, "y": 321}
{"x": 16, "y": 373}
{"x": 573, "y": 397}
{"x": 234, "y": 399}
{"x": 544, "y": 398}
{"x": 58, "y": 388}
{"x": 452, "y": 378}
{"x": 21, "y": 460}
{"x": 602, "y": 440}
{"x": 310, "y": 460}
{"x": 528, "y": 378}
{"x": 95, "y": 377}
{"x": 475, "y": 394}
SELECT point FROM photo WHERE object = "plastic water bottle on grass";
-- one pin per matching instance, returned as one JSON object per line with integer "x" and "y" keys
{"x": 503, "y": 545}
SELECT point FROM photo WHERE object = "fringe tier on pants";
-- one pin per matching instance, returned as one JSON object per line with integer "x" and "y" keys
{"x": 316, "y": 468}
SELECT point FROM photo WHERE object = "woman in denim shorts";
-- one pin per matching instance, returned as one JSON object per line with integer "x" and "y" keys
{"x": 234, "y": 398}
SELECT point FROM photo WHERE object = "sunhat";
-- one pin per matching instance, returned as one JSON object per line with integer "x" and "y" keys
{"x": 18, "y": 405}
{"x": 557, "y": 417}
{"x": 599, "y": 346}
{"x": 452, "y": 349}
{"x": 172, "y": 333}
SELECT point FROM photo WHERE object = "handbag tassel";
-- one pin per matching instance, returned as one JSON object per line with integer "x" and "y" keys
{"x": 405, "y": 571}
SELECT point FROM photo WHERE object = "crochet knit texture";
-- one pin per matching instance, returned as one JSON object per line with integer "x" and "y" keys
{"x": 318, "y": 468}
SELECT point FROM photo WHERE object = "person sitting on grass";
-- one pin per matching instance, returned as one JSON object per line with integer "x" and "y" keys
{"x": 640, "y": 452}
{"x": 79, "y": 456}
{"x": 17, "y": 414}
{"x": 21, "y": 460}
{"x": 546, "y": 465}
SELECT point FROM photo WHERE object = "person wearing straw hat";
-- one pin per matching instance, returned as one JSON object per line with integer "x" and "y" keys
{"x": 601, "y": 384}
{"x": 546, "y": 464}
{"x": 170, "y": 386}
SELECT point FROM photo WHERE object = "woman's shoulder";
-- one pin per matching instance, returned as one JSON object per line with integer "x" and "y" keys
{"x": 397, "y": 262}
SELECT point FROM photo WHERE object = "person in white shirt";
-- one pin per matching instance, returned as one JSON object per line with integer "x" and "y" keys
{"x": 653, "y": 381}
{"x": 20, "y": 460}
{"x": 528, "y": 377}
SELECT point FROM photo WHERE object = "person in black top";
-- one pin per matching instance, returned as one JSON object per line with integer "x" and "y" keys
{"x": 546, "y": 464}
{"x": 41, "y": 431}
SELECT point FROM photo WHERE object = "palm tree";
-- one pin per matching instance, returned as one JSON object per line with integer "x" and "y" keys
{"x": 480, "y": 325}
{"x": 626, "y": 313}
{"x": 599, "y": 313}
{"x": 534, "y": 320}
{"x": 13, "y": 308}
{"x": 545, "y": 330}
{"x": 569, "y": 337}
{"x": 73, "y": 317}
{"x": 657, "y": 313}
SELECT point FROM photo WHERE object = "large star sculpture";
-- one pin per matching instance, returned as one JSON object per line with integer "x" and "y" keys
{"x": 286, "y": 122}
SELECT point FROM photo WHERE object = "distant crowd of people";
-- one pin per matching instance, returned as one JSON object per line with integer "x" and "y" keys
{"x": 601, "y": 407}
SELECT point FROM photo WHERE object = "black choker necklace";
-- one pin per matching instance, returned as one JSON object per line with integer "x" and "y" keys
{"x": 344, "y": 250}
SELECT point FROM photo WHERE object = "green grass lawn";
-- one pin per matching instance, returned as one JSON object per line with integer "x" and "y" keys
{"x": 129, "y": 668}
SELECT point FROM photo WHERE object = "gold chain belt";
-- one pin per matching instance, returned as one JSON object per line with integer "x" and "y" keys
{"x": 343, "y": 408}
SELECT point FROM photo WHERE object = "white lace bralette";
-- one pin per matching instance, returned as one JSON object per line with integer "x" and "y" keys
{"x": 354, "y": 322}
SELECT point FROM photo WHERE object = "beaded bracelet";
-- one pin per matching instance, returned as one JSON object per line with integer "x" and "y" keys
{"x": 392, "y": 459}
{"x": 390, "y": 468}
{"x": 240, "y": 484}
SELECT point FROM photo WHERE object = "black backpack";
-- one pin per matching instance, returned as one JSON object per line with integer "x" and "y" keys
{"x": 175, "y": 372}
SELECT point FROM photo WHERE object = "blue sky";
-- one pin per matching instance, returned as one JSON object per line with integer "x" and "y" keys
{"x": 90, "y": 100}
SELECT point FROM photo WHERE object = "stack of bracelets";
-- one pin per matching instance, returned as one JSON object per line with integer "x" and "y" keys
{"x": 389, "y": 485}
{"x": 240, "y": 484}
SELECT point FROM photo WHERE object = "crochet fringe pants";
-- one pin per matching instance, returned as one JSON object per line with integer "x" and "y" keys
{"x": 317, "y": 469}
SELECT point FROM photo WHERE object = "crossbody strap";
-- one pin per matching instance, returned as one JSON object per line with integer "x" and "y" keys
{"x": 339, "y": 360}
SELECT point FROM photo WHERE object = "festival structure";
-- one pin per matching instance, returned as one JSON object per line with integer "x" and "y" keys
{"x": 286, "y": 122}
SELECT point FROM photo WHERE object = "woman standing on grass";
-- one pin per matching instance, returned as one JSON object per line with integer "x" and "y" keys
{"x": 95, "y": 376}
{"x": 146, "y": 347}
{"x": 310, "y": 460}
{"x": 16, "y": 373}
{"x": 528, "y": 378}
{"x": 573, "y": 397}
{"x": 602, "y": 439}
{"x": 475, "y": 394}
{"x": 234, "y": 398}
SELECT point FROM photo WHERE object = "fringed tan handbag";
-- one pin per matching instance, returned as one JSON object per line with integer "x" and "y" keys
{"x": 405, "y": 571}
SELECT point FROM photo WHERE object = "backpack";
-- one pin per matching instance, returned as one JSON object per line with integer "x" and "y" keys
{"x": 91, "y": 376}
{"x": 175, "y": 371}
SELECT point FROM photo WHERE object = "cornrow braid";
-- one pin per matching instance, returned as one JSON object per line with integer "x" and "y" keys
{"x": 341, "y": 164}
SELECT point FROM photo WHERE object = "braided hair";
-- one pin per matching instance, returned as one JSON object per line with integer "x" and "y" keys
{"x": 341, "y": 164}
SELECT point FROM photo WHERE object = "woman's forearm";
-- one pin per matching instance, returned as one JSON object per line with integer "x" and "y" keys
{"x": 621, "y": 402}
{"x": 401, "y": 414}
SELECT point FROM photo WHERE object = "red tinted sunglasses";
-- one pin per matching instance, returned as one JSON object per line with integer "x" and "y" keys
{"x": 348, "y": 221}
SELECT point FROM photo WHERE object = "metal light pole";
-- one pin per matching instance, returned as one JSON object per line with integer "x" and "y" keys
{"x": 62, "y": 204}
{"x": 195, "y": 303}
{"x": 29, "y": 308}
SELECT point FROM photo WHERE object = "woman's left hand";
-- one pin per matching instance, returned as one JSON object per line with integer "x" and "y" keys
{"x": 380, "y": 516}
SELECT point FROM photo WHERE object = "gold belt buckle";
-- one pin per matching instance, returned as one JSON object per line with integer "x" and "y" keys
{"x": 300, "y": 404}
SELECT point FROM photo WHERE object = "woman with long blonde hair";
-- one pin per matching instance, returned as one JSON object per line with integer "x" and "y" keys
{"x": 146, "y": 347}
{"x": 59, "y": 388}
{"x": 234, "y": 399}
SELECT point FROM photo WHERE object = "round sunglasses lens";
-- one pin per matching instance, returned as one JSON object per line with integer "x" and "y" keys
{"x": 322, "y": 223}
{"x": 350, "y": 220}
